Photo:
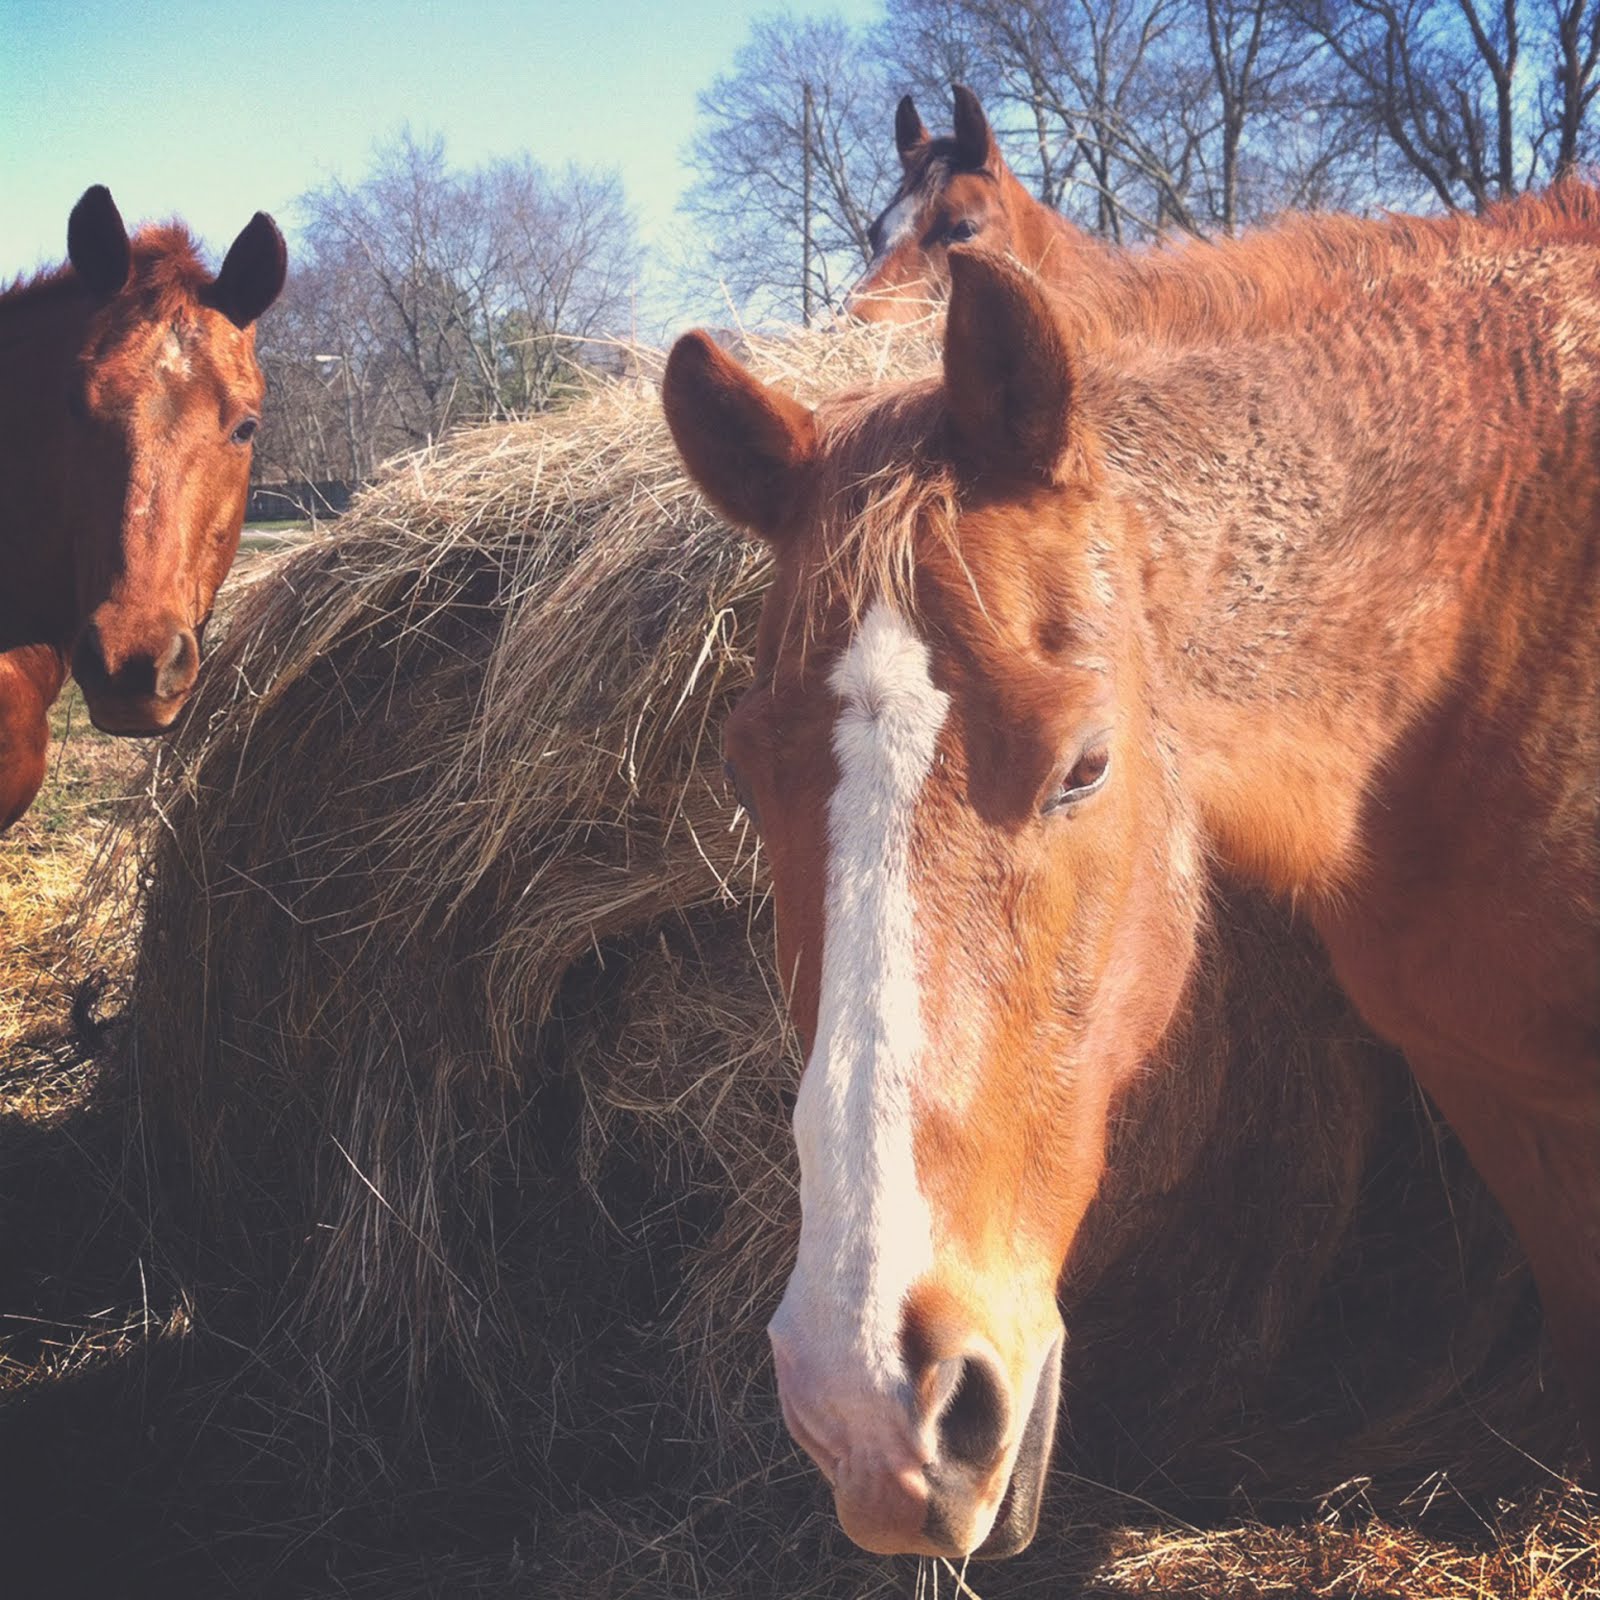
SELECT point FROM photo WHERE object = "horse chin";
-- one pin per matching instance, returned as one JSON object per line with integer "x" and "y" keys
{"x": 143, "y": 718}
{"x": 1017, "y": 1520}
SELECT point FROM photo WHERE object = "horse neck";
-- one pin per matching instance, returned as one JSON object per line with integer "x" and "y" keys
{"x": 1058, "y": 250}
{"x": 42, "y": 329}
{"x": 1323, "y": 516}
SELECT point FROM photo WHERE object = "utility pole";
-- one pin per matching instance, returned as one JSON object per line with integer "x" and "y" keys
{"x": 807, "y": 113}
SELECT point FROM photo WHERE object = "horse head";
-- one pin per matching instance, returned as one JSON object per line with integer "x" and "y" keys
{"x": 953, "y": 191}
{"x": 986, "y": 881}
{"x": 165, "y": 398}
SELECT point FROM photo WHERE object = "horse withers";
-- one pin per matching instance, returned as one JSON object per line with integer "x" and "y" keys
{"x": 1279, "y": 557}
{"x": 129, "y": 396}
{"x": 954, "y": 190}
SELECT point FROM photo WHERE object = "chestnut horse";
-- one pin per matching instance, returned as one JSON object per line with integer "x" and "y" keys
{"x": 955, "y": 190}
{"x": 129, "y": 396}
{"x": 1279, "y": 557}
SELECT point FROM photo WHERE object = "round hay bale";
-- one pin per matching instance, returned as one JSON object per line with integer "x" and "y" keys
{"x": 454, "y": 1024}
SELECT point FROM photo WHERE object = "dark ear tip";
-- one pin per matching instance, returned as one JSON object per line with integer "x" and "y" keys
{"x": 264, "y": 233}
{"x": 95, "y": 209}
{"x": 909, "y": 134}
{"x": 693, "y": 358}
{"x": 691, "y": 348}
{"x": 97, "y": 241}
{"x": 973, "y": 133}
{"x": 253, "y": 272}
{"x": 971, "y": 265}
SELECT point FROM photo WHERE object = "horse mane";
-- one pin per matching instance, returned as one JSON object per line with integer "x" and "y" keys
{"x": 887, "y": 489}
{"x": 930, "y": 162}
{"x": 166, "y": 273}
{"x": 1287, "y": 274}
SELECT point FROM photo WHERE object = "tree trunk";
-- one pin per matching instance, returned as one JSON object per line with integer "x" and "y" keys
{"x": 807, "y": 114}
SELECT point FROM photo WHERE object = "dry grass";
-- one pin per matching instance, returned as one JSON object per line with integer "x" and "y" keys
{"x": 54, "y": 939}
{"x": 1538, "y": 1553}
{"x": 448, "y": 1140}
{"x": 58, "y": 942}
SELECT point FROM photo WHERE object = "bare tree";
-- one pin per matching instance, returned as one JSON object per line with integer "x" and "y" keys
{"x": 1235, "y": 32}
{"x": 562, "y": 274}
{"x": 794, "y": 160}
{"x": 1566, "y": 96}
{"x": 409, "y": 235}
{"x": 1138, "y": 117}
{"x": 321, "y": 361}
{"x": 424, "y": 297}
{"x": 1445, "y": 82}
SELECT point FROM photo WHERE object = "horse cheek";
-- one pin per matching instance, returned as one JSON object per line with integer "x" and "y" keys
{"x": 217, "y": 533}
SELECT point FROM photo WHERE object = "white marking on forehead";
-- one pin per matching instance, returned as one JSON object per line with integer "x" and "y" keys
{"x": 898, "y": 222}
{"x": 866, "y": 1232}
{"x": 171, "y": 357}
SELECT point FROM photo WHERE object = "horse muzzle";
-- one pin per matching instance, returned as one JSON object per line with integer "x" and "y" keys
{"x": 894, "y": 306}
{"x": 953, "y": 1464}
{"x": 135, "y": 682}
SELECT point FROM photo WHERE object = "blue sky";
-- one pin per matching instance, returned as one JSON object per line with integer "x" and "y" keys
{"x": 210, "y": 112}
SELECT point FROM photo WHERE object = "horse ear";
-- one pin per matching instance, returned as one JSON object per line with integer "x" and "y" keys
{"x": 909, "y": 133}
{"x": 252, "y": 272}
{"x": 746, "y": 445}
{"x": 975, "y": 146}
{"x": 1008, "y": 375}
{"x": 97, "y": 242}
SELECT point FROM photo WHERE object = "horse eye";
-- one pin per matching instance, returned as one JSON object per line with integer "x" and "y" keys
{"x": 963, "y": 230}
{"x": 246, "y": 430}
{"x": 1088, "y": 773}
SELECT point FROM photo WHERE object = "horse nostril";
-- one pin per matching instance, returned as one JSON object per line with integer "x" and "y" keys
{"x": 88, "y": 659}
{"x": 136, "y": 668}
{"x": 176, "y": 668}
{"x": 972, "y": 1425}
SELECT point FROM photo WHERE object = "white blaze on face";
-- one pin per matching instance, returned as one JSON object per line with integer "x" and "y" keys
{"x": 866, "y": 1232}
{"x": 898, "y": 222}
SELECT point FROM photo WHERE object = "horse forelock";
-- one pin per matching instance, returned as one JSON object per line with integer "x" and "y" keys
{"x": 884, "y": 492}
{"x": 889, "y": 501}
{"x": 167, "y": 272}
{"x": 941, "y": 158}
